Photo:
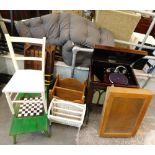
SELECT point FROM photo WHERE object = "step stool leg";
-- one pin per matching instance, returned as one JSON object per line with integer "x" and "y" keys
{"x": 14, "y": 139}
{"x": 48, "y": 131}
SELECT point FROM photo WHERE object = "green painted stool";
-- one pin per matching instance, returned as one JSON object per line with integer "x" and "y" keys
{"x": 28, "y": 124}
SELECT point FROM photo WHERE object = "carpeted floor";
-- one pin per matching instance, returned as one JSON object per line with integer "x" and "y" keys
{"x": 64, "y": 135}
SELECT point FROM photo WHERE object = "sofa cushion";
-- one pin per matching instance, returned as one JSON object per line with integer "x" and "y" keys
{"x": 23, "y": 30}
{"x": 63, "y": 29}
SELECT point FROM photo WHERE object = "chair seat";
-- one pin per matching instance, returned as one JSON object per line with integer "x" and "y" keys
{"x": 27, "y": 81}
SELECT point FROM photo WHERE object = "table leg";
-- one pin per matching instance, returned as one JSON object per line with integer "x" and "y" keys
{"x": 90, "y": 93}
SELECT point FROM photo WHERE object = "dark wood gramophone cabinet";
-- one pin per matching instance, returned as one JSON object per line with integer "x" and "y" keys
{"x": 105, "y": 57}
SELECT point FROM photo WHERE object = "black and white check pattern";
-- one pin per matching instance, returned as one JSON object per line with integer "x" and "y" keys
{"x": 30, "y": 108}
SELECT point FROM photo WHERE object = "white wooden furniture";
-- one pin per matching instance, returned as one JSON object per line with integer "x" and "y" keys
{"x": 66, "y": 112}
{"x": 25, "y": 81}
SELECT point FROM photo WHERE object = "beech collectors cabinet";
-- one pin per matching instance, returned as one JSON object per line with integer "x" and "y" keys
{"x": 123, "y": 111}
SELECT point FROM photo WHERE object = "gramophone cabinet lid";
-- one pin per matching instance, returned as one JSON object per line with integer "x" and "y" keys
{"x": 116, "y": 54}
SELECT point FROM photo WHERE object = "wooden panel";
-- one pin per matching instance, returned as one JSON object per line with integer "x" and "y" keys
{"x": 23, "y": 14}
{"x": 118, "y": 49}
{"x": 123, "y": 111}
{"x": 67, "y": 94}
{"x": 144, "y": 25}
{"x": 69, "y": 89}
{"x": 71, "y": 83}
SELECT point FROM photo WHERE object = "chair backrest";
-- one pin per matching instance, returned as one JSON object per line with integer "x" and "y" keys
{"x": 121, "y": 23}
{"x": 11, "y": 39}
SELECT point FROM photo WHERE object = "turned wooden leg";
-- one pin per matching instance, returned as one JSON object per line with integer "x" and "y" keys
{"x": 90, "y": 93}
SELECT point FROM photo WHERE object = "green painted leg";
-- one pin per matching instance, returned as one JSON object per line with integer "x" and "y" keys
{"x": 48, "y": 131}
{"x": 14, "y": 139}
{"x": 49, "y": 128}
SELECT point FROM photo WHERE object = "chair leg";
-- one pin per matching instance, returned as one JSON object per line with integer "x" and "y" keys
{"x": 9, "y": 102}
{"x": 44, "y": 102}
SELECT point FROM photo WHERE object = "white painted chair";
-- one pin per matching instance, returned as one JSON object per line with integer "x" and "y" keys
{"x": 25, "y": 81}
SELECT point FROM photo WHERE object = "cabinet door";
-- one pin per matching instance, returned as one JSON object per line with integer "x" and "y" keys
{"x": 123, "y": 111}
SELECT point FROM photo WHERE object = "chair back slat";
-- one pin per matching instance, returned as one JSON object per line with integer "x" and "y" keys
{"x": 29, "y": 58}
{"x": 26, "y": 40}
{"x": 11, "y": 39}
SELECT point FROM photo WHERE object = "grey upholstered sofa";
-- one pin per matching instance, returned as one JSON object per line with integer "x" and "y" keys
{"x": 66, "y": 30}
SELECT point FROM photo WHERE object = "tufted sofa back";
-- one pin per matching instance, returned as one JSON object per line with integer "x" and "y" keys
{"x": 63, "y": 29}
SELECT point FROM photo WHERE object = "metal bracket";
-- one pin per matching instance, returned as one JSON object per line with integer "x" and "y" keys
{"x": 75, "y": 50}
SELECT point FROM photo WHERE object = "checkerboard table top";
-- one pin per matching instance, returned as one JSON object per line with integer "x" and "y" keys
{"x": 31, "y": 107}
